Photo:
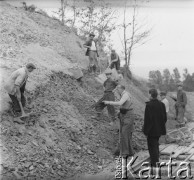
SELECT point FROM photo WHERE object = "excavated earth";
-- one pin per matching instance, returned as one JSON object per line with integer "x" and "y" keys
{"x": 60, "y": 139}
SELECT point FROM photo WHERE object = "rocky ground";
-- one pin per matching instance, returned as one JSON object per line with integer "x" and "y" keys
{"x": 59, "y": 140}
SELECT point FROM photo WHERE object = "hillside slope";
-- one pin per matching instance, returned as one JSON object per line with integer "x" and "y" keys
{"x": 60, "y": 139}
{"x": 31, "y": 35}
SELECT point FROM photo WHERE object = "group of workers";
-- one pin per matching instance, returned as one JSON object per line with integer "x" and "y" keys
{"x": 156, "y": 110}
{"x": 92, "y": 52}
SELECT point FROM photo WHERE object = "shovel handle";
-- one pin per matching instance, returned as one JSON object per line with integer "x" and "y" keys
{"x": 22, "y": 109}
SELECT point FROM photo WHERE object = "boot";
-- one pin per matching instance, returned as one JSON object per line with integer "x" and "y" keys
{"x": 94, "y": 68}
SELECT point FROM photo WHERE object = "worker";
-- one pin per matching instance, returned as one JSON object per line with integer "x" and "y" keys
{"x": 164, "y": 100}
{"x": 15, "y": 86}
{"x": 92, "y": 52}
{"x": 114, "y": 60}
{"x": 126, "y": 117}
{"x": 154, "y": 125}
{"x": 180, "y": 104}
{"x": 109, "y": 86}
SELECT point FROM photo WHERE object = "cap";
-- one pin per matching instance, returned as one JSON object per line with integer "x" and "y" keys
{"x": 179, "y": 84}
{"x": 92, "y": 34}
{"x": 30, "y": 65}
{"x": 162, "y": 93}
{"x": 108, "y": 71}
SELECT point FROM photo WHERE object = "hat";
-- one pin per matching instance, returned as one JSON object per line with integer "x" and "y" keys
{"x": 30, "y": 65}
{"x": 108, "y": 71}
{"x": 179, "y": 84}
{"x": 162, "y": 93}
{"x": 92, "y": 34}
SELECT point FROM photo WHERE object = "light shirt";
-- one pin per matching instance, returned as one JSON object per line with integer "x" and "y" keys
{"x": 166, "y": 103}
{"x": 93, "y": 46}
{"x": 17, "y": 78}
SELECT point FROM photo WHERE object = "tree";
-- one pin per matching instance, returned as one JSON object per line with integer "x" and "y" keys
{"x": 155, "y": 78}
{"x": 166, "y": 76}
{"x": 176, "y": 75}
{"x": 97, "y": 17}
{"x": 134, "y": 33}
{"x": 185, "y": 74}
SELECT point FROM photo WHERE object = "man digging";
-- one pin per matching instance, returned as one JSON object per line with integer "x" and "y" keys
{"x": 109, "y": 86}
{"x": 15, "y": 86}
{"x": 126, "y": 117}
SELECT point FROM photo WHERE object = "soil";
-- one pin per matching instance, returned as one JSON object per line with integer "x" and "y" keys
{"x": 59, "y": 140}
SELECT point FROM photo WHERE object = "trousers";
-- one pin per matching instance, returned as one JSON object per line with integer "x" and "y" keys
{"x": 180, "y": 112}
{"x": 15, "y": 102}
{"x": 108, "y": 96}
{"x": 126, "y": 131}
{"x": 153, "y": 148}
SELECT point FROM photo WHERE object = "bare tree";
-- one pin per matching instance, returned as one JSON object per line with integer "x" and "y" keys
{"x": 134, "y": 33}
{"x": 63, "y": 7}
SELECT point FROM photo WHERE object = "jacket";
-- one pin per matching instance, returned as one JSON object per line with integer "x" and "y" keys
{"x": 181, "y": 99}
{"x": 17, "y": 78}
{"x": 154, "y": 118}
{"x": 89, "y": 43}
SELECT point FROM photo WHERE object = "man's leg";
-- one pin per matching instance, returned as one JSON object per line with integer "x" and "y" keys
{"x": 153, "y": 147}
{"x": 180, "y": 118}
{"x": 111, "y": 110}
{"x": 16, "y": 106}
{"x": 23, "y": 99}
{"x": 126, "y": 141}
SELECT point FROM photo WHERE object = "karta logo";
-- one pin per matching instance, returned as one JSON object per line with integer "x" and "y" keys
{"x": 125, "y": 170}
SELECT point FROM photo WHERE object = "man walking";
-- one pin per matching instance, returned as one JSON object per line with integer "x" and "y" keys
{"x": 92, "y": 52}
{"x": 109, "y": 86}
{"x": 126, "y": 117}
{"x": 154, "y": 125}
{"x": 180, "y": 104}
{"x": 15, "y": 86}
{"x": 114, "y": 60}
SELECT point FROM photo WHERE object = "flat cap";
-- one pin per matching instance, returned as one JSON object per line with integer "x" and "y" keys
{"x": 30, "y": 65}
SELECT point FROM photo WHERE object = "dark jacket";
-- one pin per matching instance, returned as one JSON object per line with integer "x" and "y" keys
{"x": 89, "y": 43}
{"x": 155, "y": 118}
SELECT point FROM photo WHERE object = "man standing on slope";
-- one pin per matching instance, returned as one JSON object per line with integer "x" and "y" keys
{"x": 126, "y": 117}
{"x": 154, "y": 125}
{"x": 109, "y": 86}
{"x": 180, "y": 104}
{"x": 114, "y": 60}
{"x": 15, "y": 86}
{"x": 92, "y": 53}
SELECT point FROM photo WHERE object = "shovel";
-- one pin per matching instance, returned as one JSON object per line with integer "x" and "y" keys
{"x": 24, "y": 115}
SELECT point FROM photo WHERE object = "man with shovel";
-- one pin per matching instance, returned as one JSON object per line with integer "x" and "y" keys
{"x": 126, "y": 117}
{"x": 15, "y": 87}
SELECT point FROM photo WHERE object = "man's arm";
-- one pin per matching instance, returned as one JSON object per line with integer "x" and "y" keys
{"x": 123, "y": 99}
{"x": 86, "y": 44}
{"x": 148, "y": 123}
{"x": 116, "y": 59}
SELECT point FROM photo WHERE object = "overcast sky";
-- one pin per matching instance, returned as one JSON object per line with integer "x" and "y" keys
{"x": 171, "y": 42}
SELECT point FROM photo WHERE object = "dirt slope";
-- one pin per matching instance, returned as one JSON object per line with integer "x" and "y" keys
{"x": 60, "y": 140}
{"x": 32, "y": 35}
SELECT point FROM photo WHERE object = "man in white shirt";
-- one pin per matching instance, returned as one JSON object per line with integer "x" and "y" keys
{"x": 127, "y": 118}
{"x": 92, "y": 53}
{"x": 15, "y": 86}
{"x": 164, "y": 100}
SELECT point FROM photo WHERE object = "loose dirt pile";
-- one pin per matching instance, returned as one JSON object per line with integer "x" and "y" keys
{"x": 60, "y": 139}
{"x": 63, "y": 140}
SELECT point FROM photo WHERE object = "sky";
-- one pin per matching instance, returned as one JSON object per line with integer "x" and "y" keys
{"x": 171, "y": 43}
